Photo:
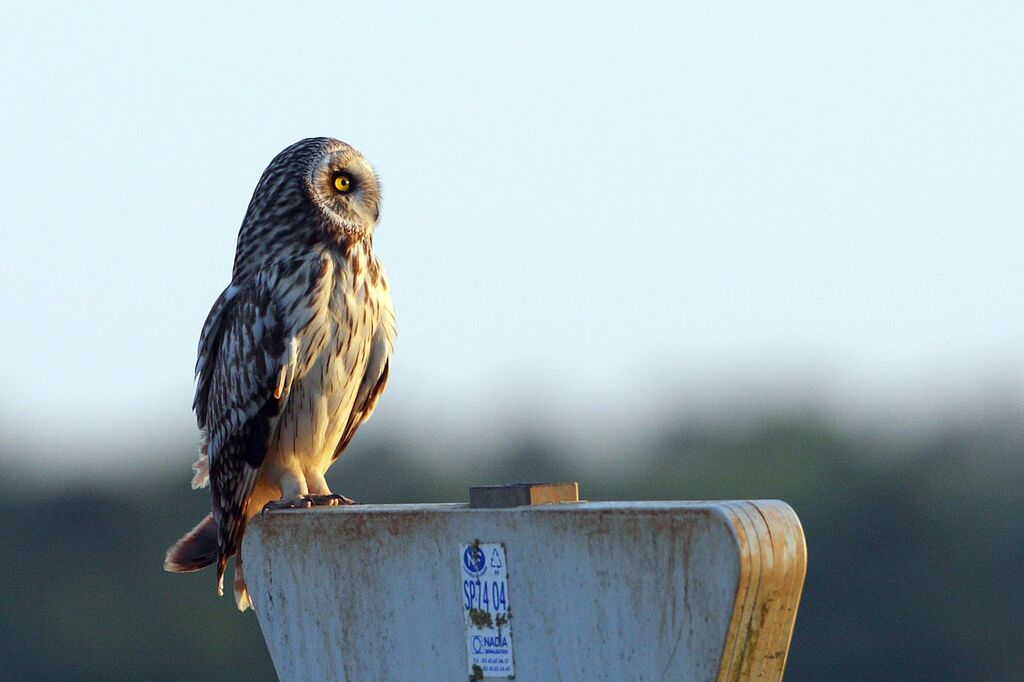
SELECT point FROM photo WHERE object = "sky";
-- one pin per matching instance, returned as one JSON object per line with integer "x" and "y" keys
{"x": 589, "y": 209}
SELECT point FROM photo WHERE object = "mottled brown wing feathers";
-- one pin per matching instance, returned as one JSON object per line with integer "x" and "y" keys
{"x": 209, "y": 345}
{"x": 241, "y": 355}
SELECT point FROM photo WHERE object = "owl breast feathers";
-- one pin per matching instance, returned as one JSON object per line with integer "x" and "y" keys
{"x": 295, "y": 352}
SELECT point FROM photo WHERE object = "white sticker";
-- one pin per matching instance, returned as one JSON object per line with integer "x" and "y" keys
{"x": 485, "y": 605}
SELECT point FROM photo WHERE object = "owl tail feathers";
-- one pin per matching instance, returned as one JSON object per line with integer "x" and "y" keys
{"x": 198, "y": 548}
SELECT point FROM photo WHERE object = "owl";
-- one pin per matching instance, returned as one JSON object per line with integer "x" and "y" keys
{"x": 294, "y": 354}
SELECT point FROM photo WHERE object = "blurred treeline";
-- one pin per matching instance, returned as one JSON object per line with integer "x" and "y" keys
{"x": 916, "y": 546}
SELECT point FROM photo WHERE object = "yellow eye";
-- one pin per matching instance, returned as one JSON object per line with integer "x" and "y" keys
{"x": 342, "y": 183}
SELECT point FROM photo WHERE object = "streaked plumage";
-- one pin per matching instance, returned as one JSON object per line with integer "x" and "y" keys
{"x": 294, "y": 353}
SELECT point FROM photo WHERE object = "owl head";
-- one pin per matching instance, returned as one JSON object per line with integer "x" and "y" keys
{"x": 344, "y": 187}
{"x": 318, "y": 190}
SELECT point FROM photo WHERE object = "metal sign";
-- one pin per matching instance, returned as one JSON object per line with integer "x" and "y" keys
{"x": 485, "y": 604}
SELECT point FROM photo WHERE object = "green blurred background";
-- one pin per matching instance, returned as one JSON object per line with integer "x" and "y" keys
{"x": 916, "y": 544}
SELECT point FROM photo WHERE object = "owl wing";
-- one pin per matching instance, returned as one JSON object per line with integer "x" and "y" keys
{"x": 375, "y": 379}
{"x": 244, "y": 373}
{"x": 370, "y": 389}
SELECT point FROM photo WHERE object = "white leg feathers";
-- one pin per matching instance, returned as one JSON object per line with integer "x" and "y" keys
{"x": 242, "y": 599}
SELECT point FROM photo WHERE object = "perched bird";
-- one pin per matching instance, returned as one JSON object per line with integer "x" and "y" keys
{"x": 294, "y": 354}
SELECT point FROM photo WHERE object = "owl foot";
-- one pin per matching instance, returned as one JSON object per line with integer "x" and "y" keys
{"x": 332, "y": 500}
{"x": 300, "y": 503}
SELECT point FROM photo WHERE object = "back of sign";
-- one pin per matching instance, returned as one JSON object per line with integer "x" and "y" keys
{"x": 578, "y": 591}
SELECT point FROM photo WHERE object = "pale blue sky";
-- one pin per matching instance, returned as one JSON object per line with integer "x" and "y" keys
{"x": 583, "y": 202}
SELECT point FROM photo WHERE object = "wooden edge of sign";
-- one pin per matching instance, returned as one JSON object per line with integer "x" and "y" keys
{"x": 522, "y": 495}
{"x": 772, "y": 566}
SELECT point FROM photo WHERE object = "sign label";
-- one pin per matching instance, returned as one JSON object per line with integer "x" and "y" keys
{"x": 485, "y": 605}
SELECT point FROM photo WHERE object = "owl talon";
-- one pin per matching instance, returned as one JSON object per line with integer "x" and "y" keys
{"x": 301, "y": 503}
{"x": 331, "y": 500}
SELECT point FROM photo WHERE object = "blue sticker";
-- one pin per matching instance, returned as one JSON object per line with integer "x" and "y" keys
{"x": 473, "y": 561}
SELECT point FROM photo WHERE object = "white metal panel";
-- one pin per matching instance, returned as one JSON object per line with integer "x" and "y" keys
{"x": 597, "y": 591}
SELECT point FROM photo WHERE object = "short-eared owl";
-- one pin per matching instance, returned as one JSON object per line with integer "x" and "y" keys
{"x": 294, "y": 354}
